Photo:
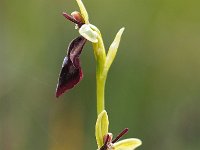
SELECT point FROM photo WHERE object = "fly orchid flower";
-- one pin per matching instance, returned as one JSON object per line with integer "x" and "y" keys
{"x": 71, "y": 72}
{"x": 104, "y": 139}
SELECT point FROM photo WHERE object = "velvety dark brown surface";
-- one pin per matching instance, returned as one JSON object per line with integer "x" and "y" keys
{"x": 71, "y": 72}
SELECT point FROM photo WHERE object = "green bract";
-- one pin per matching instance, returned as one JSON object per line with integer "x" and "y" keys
{"x": 113, "y": 49}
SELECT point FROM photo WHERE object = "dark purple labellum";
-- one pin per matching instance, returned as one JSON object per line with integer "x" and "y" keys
{"x": 75, "y": 49}
{"x": 69, "y": 76}
{"x": 71, "y": 72}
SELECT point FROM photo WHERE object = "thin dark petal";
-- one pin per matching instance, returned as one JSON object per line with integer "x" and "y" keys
{"x": 120, "y": 135}
{"x": 72, "y": 19}
{"x": 75, "y": 49}
{"x": 104, "y": 147}
{"x": 68, "y": 78}
{"x": 69, "y": 17}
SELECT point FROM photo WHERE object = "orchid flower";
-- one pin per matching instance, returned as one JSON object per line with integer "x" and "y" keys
{"x": 104, "y": 139}
{"x": 71, "y": 72}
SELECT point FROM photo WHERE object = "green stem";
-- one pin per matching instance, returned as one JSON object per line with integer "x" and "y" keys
{"x": 100, "y": 55}
{"x": 101, "y": 80}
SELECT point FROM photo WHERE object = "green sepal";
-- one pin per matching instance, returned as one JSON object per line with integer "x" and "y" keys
{"x": 101, "y": 127}
{"x": 127, "y": 144}
{"x": 83, "y": 11}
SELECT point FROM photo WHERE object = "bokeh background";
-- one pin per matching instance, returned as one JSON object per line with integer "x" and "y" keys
{"x": 153, "y": 86}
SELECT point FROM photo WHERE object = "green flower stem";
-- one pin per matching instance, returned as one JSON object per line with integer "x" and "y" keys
{"x": 103, "y": 61}
{"x": 100, "y": 55}
{"x": 100, "y": 93}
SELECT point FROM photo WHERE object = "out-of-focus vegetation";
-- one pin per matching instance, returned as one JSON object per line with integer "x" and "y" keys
{"x": 153, "y": 86}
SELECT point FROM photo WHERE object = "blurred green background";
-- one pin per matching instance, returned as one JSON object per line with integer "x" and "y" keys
{"x": 153, "y": 87}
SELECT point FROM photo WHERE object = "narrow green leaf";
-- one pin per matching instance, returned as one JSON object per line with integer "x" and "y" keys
{"x": 113, "y": 49}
